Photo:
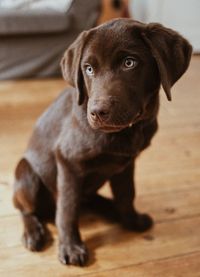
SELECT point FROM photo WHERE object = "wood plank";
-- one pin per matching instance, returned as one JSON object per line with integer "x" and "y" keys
{"x": 109, "y": 245}
{"x": 186, "y": 265}
{"x": 7, "y": 208}
{"x": 29, "y": 91}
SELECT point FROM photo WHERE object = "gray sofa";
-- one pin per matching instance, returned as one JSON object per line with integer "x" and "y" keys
{"x": 35, "y": 33}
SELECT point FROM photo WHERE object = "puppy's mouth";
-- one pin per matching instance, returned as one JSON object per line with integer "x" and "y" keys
{"x": 114, "y": 128}
{"x": 111, "y": 128}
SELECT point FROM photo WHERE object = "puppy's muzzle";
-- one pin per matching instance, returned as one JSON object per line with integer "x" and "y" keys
{"x": 108, "y": 116}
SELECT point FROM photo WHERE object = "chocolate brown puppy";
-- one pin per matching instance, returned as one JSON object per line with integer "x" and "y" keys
{"x": 95, "y": 130}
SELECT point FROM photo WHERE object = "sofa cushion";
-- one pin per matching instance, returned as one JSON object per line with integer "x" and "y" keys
{"x": 39, "y": 16}
{"x": 38, "y": 54}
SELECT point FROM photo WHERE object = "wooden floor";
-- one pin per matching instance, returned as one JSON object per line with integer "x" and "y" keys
{"x": 168, "y": 186}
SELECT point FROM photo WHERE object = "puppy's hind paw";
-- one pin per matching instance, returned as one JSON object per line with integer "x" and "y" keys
{"x": 138, "y": 222}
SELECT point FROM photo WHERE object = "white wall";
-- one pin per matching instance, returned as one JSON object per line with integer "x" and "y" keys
{"x": 181, "y": 15}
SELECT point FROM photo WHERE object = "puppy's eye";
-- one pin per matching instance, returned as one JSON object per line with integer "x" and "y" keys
{"x": 130, "y": 63}
{"x": 89, "y": 70}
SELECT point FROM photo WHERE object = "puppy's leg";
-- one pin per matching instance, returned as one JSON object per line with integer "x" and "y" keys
{"x": 26, "y": 188}
{"x": 102, "y": 206}
{"x": 123, "y": 190}
{"x": 71, "y": 248}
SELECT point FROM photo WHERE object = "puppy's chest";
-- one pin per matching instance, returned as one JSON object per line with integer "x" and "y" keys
{"x": 104, "y": 164}
{"x": 86, "y": 146}
{"x": 108, "y": 154}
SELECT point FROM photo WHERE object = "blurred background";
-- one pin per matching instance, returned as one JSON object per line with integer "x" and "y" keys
{"x": 35, "y": 33}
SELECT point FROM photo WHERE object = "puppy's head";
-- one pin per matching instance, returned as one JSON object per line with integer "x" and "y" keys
{"x": 118, "y": 68}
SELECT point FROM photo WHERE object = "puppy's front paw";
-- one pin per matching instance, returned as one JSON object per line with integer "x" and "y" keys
{"x": 75, "y": 254}
{"x": 137, "y": 222}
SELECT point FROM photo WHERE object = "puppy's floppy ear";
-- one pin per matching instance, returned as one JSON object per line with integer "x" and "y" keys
{"x": 171, "y": 51}
{"x": 70, "y": 65}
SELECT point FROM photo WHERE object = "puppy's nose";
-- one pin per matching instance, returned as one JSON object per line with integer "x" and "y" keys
{"x": 99, "y": 113}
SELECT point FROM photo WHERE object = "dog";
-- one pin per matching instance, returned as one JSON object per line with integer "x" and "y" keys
{"x": 95, "y": 129}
